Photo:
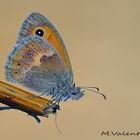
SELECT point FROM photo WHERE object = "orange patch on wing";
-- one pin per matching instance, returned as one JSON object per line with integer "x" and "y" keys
{"x": 53, "y": 39}
{"x": 57, "y": 45}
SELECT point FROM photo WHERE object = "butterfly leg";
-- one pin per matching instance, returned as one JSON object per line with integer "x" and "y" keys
{"x": 35, "y": 117}
{"x": 55, "y": 106}
{"x": 52, "y": 108}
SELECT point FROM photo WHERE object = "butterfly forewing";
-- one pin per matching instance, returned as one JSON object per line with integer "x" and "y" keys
{"x": 37, "y": 24}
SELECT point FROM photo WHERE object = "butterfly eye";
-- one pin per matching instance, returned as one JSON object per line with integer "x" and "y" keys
{"x": 39, "y": 32}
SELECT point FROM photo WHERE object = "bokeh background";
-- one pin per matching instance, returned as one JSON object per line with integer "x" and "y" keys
{"x": 103, "y": 41}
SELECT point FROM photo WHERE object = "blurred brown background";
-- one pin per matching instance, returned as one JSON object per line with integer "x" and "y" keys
{"x": 103, "y": 41}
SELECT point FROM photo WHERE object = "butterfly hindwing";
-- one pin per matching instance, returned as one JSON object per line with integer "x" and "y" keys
{"x": 34, "y": 63}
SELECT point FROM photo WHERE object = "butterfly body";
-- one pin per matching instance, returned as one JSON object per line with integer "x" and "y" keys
{"x": 40, "y": 62}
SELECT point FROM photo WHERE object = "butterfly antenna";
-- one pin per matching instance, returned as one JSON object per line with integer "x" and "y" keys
{"x": 95, "y": 91}
{"x": 93, "y": 88}
{"x": 56, "y": 125}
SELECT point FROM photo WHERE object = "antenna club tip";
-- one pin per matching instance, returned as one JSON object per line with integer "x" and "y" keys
{"x": 104, "y": 97}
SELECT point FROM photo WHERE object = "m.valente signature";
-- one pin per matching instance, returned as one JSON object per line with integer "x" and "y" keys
{"x": 120, "y": 133}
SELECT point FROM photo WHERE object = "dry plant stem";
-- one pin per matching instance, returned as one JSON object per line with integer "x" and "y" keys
{"x": 23, "y": 100}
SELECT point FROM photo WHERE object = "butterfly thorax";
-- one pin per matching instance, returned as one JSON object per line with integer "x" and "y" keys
{"x": 65, "y": 91}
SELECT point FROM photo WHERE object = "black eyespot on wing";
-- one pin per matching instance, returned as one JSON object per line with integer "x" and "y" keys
{"x": 39, "y": 32}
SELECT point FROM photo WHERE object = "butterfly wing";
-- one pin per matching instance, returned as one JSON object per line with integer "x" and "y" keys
{"x": 36, "y": 22}
{"x": 36, "y": 64}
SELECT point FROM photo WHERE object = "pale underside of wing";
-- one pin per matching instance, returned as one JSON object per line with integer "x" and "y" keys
{"x": 35, "y": 64}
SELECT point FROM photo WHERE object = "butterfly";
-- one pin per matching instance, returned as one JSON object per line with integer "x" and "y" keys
{"x": 39, "y": 61}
